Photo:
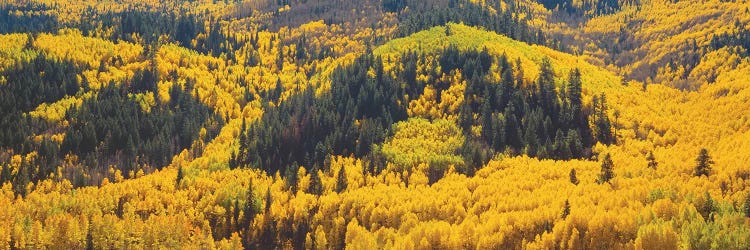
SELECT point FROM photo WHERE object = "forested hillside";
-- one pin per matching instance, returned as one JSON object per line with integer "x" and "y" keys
{"x": 393, "y": 124}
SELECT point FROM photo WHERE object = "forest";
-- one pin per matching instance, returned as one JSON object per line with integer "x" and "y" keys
{"x": 390, "y": 124}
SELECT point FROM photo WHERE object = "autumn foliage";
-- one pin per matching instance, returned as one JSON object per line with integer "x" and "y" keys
{"x": 662, "y": 127}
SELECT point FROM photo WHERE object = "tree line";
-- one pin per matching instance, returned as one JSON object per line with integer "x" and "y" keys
{"x": 132, "y": 24}
{"x": 588, "y": 8}
{"x": 182, "y": 28}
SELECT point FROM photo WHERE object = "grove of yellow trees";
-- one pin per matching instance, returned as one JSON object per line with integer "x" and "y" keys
{"x": 513, "y": 202}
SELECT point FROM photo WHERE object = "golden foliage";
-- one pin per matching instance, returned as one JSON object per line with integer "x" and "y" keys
{"x": 421, "y": 141}
{"x": 512, "y": 202}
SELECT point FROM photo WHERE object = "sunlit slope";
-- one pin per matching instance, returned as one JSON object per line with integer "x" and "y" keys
{"x": 511, "y": 202}
{"x": 672, "y": 123}
{"x": 434, "y": 40}
{"x": 714, "y": 116}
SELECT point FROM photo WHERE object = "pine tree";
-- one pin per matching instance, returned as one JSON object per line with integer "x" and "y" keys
{"x": 703, "y": 163}
{"x": 235, "y": 214}
{"x": 561, "y": 147}
{"x": 180, "y": 175}
{"x": 267, "y": 210}
{"x": 89, "y": 239}
{"x": 5, "y": 174}
{"x": 232, "y": 161}
{"x": 268, "y": 236}
{"x": 651, "y": 160}
{"x": 575, "y": 144}
{"x": 566, "y": 210}
{"x": 291, "y": 177}
{"x": 747, "y": 206}
{"x": 278, "y": 90}
{"x": 89, "y": 140}
{"x": 341, "y": 181}
{"x": 240, "y": 159}
{"x": 601, "y": 121}
{"x": 573, "y": 95}
{"x": 29, "y": 41}
{"x": 573, "y": 177}
{"x": 465, "y": 115}
{"x": 23, "y": 177}
{"x": 708, "y": 208}
{"x": 486, "y": 118}
{"x": 607, "y": 170}
{"x": 546, "y": 86}
{"x": 250, "y": 210}
{"x": 280, "y": 58}
{"x": 316, "y": 185}
{"x": 301, "y": 54}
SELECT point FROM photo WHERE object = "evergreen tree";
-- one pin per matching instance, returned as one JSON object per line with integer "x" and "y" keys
{"x": 233, "y": 160}
{"x": 250, "y": 210}
{"x": 546, "y": 84}
{"x": 486, "y": 119}
{"x": 301, "y": 54}
{"x": 747, "y": 206}
{"x": 575, "y": 143}
{"x": 573, "y": 95}
{"x": 240, "y": 160}
{"x": 651, "y": 160}
{"x": 89, "y": 140}
{"x": 465, "y": 115}
{"x": 341, "y": 181}
{"x": 280, "y": 58}
{"x": 708, "y": 208}
{"x": 573, "y": 177}
{"x": 512, "y": 128}
{"x": 601, "y": 120}
{"x": 5, "y": 174}
{"x": 235, "y": 214}
{"x": 23, "y": 177}
{"x": 291, "y": 177}
{"x": 29, "y": 41}
{"x": 607, "y": 172}
{"x": 180, "y": 175}
{"x": 89, "y": 239}
{"x": 561, "y": 147}
{"x": 277, "y": 90}
{"x": 507, "y": 88}
{"x": 703, "y": 163}
{"x": 530, "y": 135}
{"x": 566, "y": 210}
{"x": 316, "y": 185}
{"x": 268, "y": 237}
{"x": 269, "y": 201}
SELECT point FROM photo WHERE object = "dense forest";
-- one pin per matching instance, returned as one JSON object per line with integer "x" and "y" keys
{"x": 110, "y": 129}
{"x": 377, "y": 124}
{"x": 530, "y": 118}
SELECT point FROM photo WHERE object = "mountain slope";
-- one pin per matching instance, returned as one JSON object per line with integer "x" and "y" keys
{"x": 513, "y": 201}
